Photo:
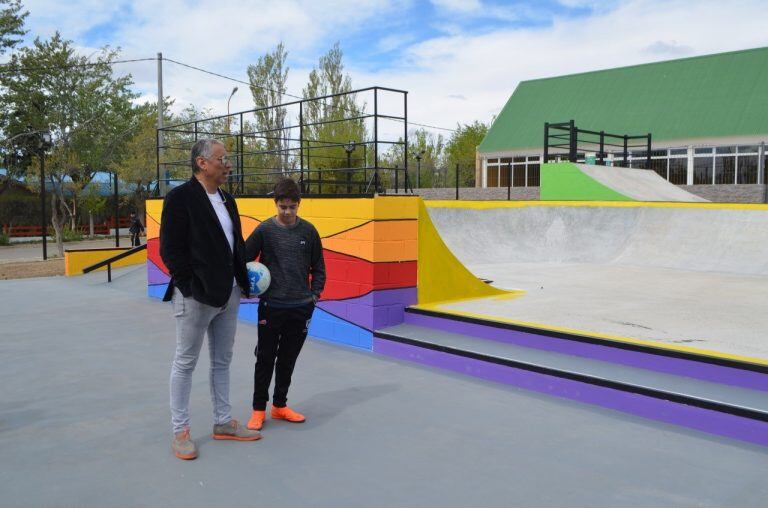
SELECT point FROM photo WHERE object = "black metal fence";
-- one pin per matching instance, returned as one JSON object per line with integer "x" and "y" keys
{"x": 348, "y": 143}
{"x": 565, "y": 140}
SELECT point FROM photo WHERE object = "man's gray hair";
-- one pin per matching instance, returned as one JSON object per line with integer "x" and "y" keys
{"x": 202, "y": 148}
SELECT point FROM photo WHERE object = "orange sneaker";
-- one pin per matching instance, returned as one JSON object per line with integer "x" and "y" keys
{"x": 257, "y": 420}
{"x": 288, "y": 414}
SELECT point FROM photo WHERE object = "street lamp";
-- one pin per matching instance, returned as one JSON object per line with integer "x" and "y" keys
{"x": 419, "y": 155}
{"x": 44, "y": 142}
{"x": 349, "y": 147}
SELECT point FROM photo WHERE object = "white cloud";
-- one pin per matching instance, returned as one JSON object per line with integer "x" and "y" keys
{"x": 484, "y": 68}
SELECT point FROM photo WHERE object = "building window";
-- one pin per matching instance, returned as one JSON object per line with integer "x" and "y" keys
{"x": 678, "y": 171}
{"x": 533, "y": 175}
{"x": 725, "y": 169}
{"x": 518, "y": 175}
{"x": 746, "y": 165}
{"x": 703, "y": 170}
{"x": 504, "y": 175}
{"x": 492, "y": 175}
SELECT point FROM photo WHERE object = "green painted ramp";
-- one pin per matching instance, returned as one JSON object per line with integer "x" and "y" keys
{"x": 566, "y": 181}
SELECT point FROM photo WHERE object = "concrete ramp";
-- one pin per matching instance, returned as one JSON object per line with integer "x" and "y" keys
{"x": 568, "y": 181}
{"x": 679, "y": 274}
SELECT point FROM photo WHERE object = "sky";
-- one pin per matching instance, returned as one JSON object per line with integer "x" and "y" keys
{"x": 459, "y": 60}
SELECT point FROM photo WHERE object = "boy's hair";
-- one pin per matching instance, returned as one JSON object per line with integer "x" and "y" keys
{"x": 285, "y": 188}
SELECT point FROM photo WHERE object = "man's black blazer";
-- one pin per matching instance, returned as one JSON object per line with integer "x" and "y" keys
{"x": 194, "y": 248}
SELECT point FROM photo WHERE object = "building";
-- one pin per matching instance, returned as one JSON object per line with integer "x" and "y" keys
{"x": 707, "y": 116}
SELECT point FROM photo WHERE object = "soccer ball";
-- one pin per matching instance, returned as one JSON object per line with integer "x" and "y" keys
{"x": 258, "y": 277}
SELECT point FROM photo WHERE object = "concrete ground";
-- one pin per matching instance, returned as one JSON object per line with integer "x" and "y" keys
{"x": 34, "y": 251}
{"x": 84, "y": 421}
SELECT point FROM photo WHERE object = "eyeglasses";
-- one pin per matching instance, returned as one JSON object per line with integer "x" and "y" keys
{"x": 223, "y": 159}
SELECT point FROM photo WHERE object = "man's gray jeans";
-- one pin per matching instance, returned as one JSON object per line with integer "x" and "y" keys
{"x": 192, "y": 320}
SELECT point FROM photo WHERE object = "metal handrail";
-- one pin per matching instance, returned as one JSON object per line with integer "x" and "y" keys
{"x": 108, "y": 262}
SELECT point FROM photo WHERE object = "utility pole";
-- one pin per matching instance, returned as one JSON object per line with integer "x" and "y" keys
{"x": 161, "y": 181}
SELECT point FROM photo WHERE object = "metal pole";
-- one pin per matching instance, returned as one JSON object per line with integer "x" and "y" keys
{"x": 301, "y": 139}
{"x": 405, "y": 150}
{"x": 572, "y": 143}
{"x": 241, "y": 159}
{"x": 376, "y": 138}
{"x": 457, "y": 181}
{"x": 418, "y": 171}
{"x": 396, "y": 183}
{"x": 626, "y": 151}
{"x": 160, "y": 106}
{"x": 43, "y": 221}
{"x": 602, "y": 147}
{"x": 648, "y": 153}
{"x": 349, "y": 172}
{"x": 157, "y": 154}
{"x": 509, "y": 181}
{"x": 117, "y": 215}
{"x": 546, "y": 142}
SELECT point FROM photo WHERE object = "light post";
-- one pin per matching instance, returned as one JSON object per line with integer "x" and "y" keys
{"x": 349, "y": 147}
{"x": 230, "y": 98}
{"x": 419, "y": 155}
{"x": 44, "y": 143}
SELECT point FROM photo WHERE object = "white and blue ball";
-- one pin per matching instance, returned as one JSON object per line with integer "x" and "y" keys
{"x": 258, "y": 277}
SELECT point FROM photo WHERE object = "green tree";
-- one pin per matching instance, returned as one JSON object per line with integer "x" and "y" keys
{"x": 11, "y": 24}
{"x": 332, "y": 122}
{"x": 15, "y": 161}
{"x": 78, "y": 100}
{"x": 136, "y": 163}
{"x": 461, "y": 149}
{"x": 267, "y": 80}
{"x": 93, "y": 202}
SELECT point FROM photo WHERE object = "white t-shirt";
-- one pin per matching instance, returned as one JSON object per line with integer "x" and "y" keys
{"x": 217, "y": 200}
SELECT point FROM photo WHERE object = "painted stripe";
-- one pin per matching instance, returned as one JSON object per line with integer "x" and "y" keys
{"x": 489, "y": 319}
{"x": 488, "y": 205}
{"x": 706, "y": 420}
{"x": 654, "y": 359}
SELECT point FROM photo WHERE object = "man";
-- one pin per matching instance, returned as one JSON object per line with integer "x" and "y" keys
{"x": 201, "y": 244}
{"x": 290, "y": 247}
{"x": 135, "y": 229}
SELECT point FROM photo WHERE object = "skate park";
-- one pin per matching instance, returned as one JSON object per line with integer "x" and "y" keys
{"x": 575, "y": 350}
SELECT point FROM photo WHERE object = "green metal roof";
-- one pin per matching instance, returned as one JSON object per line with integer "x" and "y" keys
{"x": 707, "y": 96}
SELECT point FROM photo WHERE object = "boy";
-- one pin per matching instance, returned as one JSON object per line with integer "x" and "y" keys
{"x": 290, "y": 247}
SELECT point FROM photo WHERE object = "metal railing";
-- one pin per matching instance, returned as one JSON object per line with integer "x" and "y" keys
{"x": 565, "y": 139}
{"x": 108, "y": 262}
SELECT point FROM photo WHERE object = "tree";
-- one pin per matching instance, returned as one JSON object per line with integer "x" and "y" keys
{"x": 78, "y": 100}
{"x": 431, "y": 148}
{"x": 461, "y": 149}
{"x": 267, "y": 80}
{"x": 11, "y": 24}
{"x": 12, "y": 29}
{"x": 331, "y": 122}
{"x": 137, "y": 160}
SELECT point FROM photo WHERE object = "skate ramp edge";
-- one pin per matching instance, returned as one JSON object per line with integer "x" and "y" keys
{"x": 441, "y": 276}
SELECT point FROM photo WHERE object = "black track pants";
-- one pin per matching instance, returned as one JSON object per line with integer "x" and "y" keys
{"x": 281, "y": 335}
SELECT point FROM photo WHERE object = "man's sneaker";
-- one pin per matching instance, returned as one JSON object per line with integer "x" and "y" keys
{"x": 235, "y": 432}
{"x": 183, "y": 447}
{"x": 286, "y": 413}
{"x": 257, "y": 420}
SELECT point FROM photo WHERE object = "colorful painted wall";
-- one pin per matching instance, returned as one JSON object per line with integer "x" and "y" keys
{"x": 370, "y": 247}
{"x": 77, "y": 259}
